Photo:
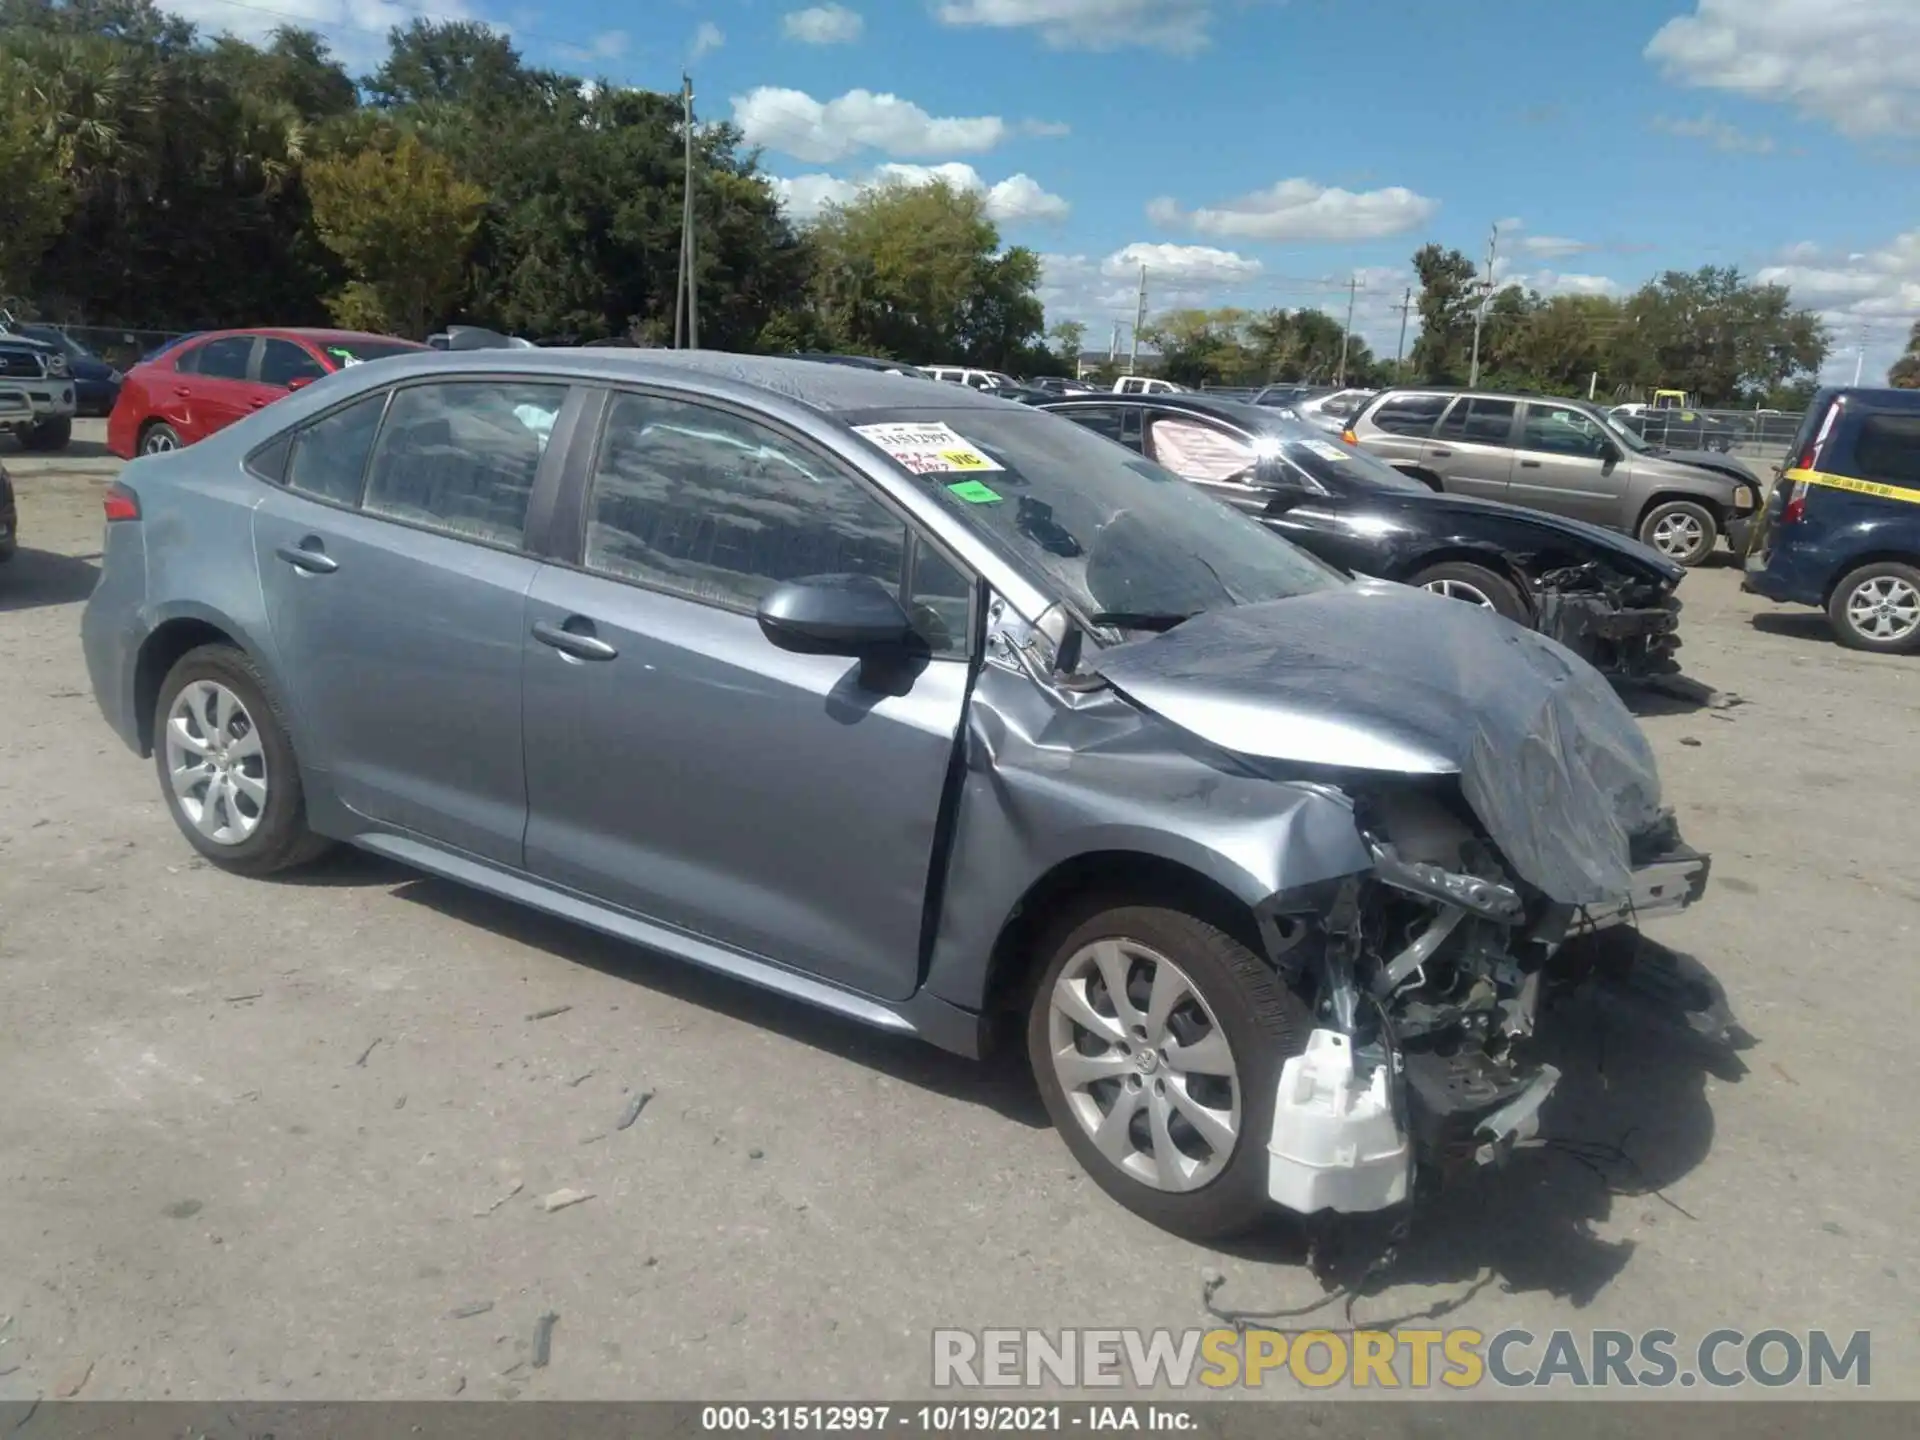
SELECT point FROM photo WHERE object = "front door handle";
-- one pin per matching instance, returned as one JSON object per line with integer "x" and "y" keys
{"x": 308, "y": 556}
{"x": 575, "y": 637}
{"x": 1529, "y": 464}
{"x": 1441, "y": 454}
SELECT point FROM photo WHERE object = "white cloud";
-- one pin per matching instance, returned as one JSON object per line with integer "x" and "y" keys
{"x": 1182, "y": 264}
{"x": 1017, "y": 200}
{"x": 1302, "y": 210}
{"x": 1728, "y": 139}
{"x": 1176, "y": 26}
{"x": 1869, "y": 300}
{"x": 708, "y": 38}
{"x": 823, "y": 25}
{"x": 1554, "y": 247}
{"x": 610, "y": 44}
{"x": 794, "y": 123}
{"x": 1848, "y": 62}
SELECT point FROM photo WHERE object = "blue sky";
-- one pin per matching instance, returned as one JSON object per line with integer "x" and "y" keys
{"x": 1264, "y": 152}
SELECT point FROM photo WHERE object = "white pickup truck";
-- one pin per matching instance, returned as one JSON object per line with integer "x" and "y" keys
{"x": 36, "y": 393}
{"x": 1146, "y": 385}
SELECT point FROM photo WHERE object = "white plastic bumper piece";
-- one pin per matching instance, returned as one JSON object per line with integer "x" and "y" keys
{"x": 1336, "y": 1144}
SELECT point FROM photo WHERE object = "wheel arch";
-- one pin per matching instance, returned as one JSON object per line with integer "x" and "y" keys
{"x": 1878, "y": 555}
{"x": 1716, "y": 508}
{"x": 187, "y": 627}
{"x": 1133, "y": 877}
{"x": 1460, "y": 552}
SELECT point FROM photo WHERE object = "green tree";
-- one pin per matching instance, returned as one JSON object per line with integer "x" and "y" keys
{"x": 1905, "y": 374}
{"x": 1448, "y": 295}
{"x": 402, "y": 222}
{"x": 1069, "y": 343}
{"x": 916, "y": 272}
{"x": 34, "y": 177}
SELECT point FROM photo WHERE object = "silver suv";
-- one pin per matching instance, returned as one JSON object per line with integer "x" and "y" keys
{"x": 1564, "y": 457}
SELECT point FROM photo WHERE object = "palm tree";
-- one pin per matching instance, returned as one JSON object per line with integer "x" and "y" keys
{"x": 1905, "y": 374}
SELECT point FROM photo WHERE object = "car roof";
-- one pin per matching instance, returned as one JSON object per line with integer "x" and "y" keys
{"x": 827, "y": 388}
{"x": 316, "y": 334}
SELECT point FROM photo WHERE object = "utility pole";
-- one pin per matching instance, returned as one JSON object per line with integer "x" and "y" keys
{"x": 1113, "y": 345}
{"x": 1405, "y": 307}
{"x": 1139, "y": 319}
{"x": 686, "y": 288}
{"x": 1860, "y": 355}
{"x": 1346, "y": 335}
{"x": 1480, "y": 310}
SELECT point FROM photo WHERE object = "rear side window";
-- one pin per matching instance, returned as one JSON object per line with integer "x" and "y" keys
{"x": 461, "y": 457}
{"x": 282, "y": 362}
{"x": 329, "y": 459}
{"x": 1887, "y": 449}
{"x": 1409, "y": 414}
{"x": 1101, "y": 419}
{"x": 1478, "y": 420}
{"x": 221, "y": 359}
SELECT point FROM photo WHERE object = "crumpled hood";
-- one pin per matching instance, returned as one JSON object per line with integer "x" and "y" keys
{"x": 1643, "y": 560}
{"x": 1731, "y": 466}
{"x": 1384, "y": 678}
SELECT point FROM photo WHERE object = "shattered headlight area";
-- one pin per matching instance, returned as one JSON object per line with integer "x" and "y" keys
{"x": 1618, "y": 624}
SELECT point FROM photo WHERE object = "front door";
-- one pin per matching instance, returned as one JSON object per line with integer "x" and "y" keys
{"x": 681, "y": 767}
{"x": 396, "y": 588}
{"x": 1568, "y": 465}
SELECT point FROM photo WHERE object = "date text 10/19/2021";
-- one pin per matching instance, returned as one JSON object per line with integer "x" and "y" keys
{"x": 944, "y": 1419}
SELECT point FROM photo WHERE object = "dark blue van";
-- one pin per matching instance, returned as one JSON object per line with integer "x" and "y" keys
{"x": 1842, "y": 528}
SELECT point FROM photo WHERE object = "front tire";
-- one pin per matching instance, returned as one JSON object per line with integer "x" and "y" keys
{"x": 226, "y": 765}
{"x": 1476, "y": 585}
{"x": 1682, "y": 530}
{"x": 48, "y": 435}
{"x": 1157, "y": 1039}
{"x": 1877, "y": 608}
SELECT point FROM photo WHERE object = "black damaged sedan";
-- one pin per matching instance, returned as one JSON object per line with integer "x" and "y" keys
{"x": 1607, "y": 598}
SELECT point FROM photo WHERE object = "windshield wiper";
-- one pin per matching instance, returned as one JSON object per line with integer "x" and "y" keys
{"x": 1138, "y": 619}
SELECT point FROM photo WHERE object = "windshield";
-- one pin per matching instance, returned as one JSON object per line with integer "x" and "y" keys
{"x": 357, "y": 352}
{"x": 1124, "y": 542}
{"x": 1337, "y": 467}
{"x": 59, "y": 339}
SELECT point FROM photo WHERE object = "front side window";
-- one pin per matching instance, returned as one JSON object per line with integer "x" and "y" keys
{"x": 461, "y": 456}
{"x": 282, "y": 362}
{"x": 1555, "y": 431}
{"x": 1409, "y": 414}
{"x": 224, "y": 359}
{"x": 718, "y": 508}
{"x": 329, "y": 457}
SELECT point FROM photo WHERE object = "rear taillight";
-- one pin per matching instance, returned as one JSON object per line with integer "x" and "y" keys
{"x": 1795, "y": 510}
{"x": 121, "y": 504}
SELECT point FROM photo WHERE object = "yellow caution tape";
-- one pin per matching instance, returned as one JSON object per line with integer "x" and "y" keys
{"x": 1859, "y": 487}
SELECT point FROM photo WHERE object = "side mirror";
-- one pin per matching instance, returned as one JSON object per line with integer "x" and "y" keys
{"x": 300, "y": 382}
{"x": 853, "y": 615}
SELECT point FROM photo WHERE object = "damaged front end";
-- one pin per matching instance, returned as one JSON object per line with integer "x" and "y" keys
{"x": 1623, "y": 625}
{"x": 1503, "y": 799}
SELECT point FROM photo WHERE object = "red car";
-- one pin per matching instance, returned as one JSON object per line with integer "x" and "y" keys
{"x": 205, "y": 383}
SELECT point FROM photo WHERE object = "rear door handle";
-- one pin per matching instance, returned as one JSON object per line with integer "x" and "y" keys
{"x": 1529, "y": 464}
{"x": 578, "y": 641}
{"x": 1441, "y": 454}
{"x": 308, "y": 557}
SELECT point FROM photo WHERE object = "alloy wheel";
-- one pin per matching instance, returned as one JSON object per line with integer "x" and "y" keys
{"x": 216, "y": 763}
{"x": 1461, "y": 590}
{"x": 1144, "y": 1064}
{"x": 158, "y": 442}
{"x": 1678, "y": 535}
{"x": 1885, "y": 608}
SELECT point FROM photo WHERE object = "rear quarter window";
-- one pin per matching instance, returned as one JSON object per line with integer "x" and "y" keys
{"x": 1887, "y": 449}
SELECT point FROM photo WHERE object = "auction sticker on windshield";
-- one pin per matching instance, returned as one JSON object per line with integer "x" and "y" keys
{"x": 928, "y": 448}
{"x": 1324, "y": 450}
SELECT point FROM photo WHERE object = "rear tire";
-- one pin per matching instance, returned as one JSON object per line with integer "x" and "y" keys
{"x": 226, "y": 765}
{"x": 1228, "y": 1010}
{"x": 48, "y": 435}
{"x": 1476, "y": 585}
{"x": 1877, "y": 608}
{"x": 158, "y": 438}
{"x": 1682, "y": 530}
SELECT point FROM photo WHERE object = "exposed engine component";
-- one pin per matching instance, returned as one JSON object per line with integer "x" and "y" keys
{"x": 1620, "y": 625}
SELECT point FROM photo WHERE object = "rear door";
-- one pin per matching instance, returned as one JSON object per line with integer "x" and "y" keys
{"x": 395, "y": 565}
{"x": 1398, "y": 427}
{"x": 210, "y": 387}
{"x": 1569, "y": 466}
{"x": 1472, "y": 447}
{"x": 681, "y": 767}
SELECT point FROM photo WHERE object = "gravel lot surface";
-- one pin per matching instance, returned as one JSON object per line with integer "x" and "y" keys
{"x": 287, "y": 1140}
